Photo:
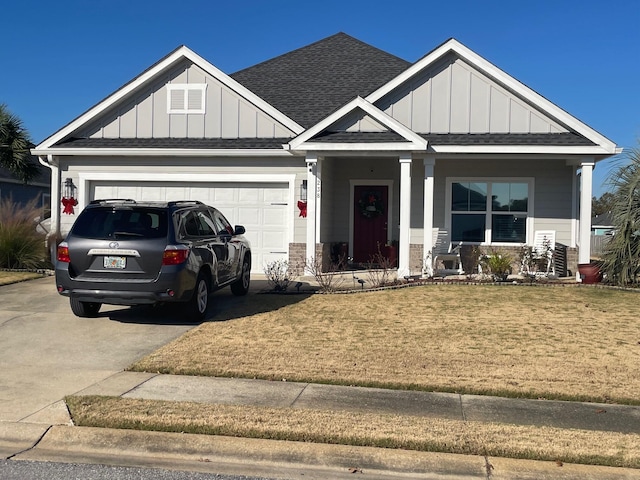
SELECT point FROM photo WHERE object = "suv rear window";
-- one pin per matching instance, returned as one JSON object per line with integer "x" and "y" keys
{"x": 109, "y": 222}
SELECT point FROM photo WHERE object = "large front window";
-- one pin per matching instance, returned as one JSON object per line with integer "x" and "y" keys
{"x": 489, "y": 211}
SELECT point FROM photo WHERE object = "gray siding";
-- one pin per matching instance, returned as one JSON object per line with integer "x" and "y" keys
{"x": 144, "y": 114}
{"x": 454, "y": 97}
{"x": 552, "y": 190}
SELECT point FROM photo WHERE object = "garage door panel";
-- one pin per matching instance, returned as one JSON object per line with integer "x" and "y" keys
{"x": 274, "y": 195}
{"x": 260, "y": 207}
{"x": 249, "y": 216}
{"x": 272, "y": 240}
{"x": 253, "y": 195}
{"x": 273, "y": 217}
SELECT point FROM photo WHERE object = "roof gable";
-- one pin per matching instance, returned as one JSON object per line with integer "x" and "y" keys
{"x": 182, "y": 66}
{"x": 310, "y": 83}
{"x": 359, "y": 126}
{"x": 453, "y": 90}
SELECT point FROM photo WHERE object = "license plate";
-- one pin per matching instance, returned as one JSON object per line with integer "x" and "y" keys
{"x": 115, "y": 262}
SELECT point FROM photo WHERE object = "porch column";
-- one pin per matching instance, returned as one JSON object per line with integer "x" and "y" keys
{"x": 312, "y": 191}
{"x": 586, "y": 190}
{"x": 427, "y": 241}
{"x": 405, "y": 215}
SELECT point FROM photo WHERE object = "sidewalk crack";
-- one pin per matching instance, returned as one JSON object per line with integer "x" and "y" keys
{"x": 462, "y": 413}
{"x": 32, "y": 446}
{"x": 299, "y": 395}
{"x": 488, "y": 467}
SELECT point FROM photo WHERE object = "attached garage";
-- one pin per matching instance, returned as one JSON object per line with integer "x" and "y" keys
{"x": 262, "y": 208}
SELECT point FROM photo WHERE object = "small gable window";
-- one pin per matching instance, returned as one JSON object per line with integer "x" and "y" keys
{"x": 186, "y": 98}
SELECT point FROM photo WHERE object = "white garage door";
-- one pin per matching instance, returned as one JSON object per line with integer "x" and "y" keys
{"x": 260, "y": 207}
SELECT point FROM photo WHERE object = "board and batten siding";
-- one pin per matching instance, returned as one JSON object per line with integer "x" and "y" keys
{"x": 454, "y": 97}
{"x": 144, "y": 113}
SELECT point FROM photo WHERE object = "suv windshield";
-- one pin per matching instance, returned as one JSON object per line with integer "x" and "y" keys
{"x": 109, "y": 222}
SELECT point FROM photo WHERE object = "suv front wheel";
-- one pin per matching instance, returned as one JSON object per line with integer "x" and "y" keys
{"x": 241, "y": 286}
{"x": 84, "y": 309}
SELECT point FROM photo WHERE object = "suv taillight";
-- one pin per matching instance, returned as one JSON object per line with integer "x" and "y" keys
{"x": 63, "y": 253}
{"x": 175, "y": 255}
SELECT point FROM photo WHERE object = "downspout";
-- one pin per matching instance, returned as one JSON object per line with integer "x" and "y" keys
{"x": 51, "y": 240}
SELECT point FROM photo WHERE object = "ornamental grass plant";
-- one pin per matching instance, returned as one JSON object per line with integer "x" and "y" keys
{"x": 21, "y": 246}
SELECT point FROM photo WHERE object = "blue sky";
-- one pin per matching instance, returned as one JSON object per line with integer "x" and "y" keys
{"x": 59, "y": 58}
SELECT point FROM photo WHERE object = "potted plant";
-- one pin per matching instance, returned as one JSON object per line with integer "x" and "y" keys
{"x": 498, "y": 264}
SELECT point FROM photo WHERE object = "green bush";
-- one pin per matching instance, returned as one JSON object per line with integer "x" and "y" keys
{"x": 20, "y": 245}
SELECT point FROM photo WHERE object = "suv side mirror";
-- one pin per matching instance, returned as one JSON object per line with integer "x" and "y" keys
{"x": 239, "y": 230}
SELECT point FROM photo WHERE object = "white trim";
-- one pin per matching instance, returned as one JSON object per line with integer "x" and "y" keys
{"x": 429, "y": 163}
{"x": 487, "y": 232}
{"x": 161, "y": 152}
{"x": 153, "y": 72}
{"x": 185, "y": 88}
{"x": 361, "y": 147}
{"x": 357, "y": 183}
{"x": 416, "y": 141}
{"x": 404, "y": 239}
{"x": 548, "y": 149}
{"x": 311, "y": 238}
{"x": 607, "y": 146}
{"x": 586, "y": 192}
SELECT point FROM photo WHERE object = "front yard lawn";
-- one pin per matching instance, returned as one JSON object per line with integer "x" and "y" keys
{"x": 571, "y": 343}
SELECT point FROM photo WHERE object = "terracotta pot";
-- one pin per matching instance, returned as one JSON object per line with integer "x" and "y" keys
{"x": 590, "y": 273}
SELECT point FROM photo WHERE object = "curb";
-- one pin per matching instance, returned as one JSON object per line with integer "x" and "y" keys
{"x": 288, "y": 460}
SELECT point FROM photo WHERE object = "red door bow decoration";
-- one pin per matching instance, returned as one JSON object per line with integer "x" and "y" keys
{"x": 303, "y": 208}
{"x": 69, "y": 203}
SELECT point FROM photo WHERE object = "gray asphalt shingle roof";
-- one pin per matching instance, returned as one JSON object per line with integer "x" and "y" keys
{"x": 195, "y": 143}
{"x": 311, "y": 82}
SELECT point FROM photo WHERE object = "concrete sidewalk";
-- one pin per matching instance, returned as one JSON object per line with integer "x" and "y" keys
{"x": 234, "y": 391}
{"x": 289, "y": 460}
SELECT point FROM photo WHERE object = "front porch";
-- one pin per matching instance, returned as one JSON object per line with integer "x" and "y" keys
{"x": 565, "y": 260}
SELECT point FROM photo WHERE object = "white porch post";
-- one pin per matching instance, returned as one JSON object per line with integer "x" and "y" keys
{"x": 586, "y": 191}
{"x": 405, "y": 215}
{"x": 427, "y": 241}
{"x": 312, "y": 191}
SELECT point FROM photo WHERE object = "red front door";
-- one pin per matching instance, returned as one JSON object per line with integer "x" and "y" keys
{"x": 370, "y": 212}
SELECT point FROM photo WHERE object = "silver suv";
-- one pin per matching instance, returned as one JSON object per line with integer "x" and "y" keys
{"x": 124, "y": 252}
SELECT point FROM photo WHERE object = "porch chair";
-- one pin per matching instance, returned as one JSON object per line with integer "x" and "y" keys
{"x": 445, "y": 252}
{"x": 544, "y": 245}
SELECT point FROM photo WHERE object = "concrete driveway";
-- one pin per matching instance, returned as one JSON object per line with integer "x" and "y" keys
{"x": 46, "y": 352}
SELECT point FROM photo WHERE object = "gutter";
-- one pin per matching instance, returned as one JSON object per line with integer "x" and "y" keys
{"x": 51, "y": 240}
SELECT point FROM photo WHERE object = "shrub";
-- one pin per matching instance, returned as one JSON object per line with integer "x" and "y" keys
{"x": 278, "y": 275}
{"x": 20, "y": 245}
{"x": 498, "y": 263}
{"x": 327, "y": 281}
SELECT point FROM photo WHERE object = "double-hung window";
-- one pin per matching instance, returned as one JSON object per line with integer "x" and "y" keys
{"x": 489, "y": 211}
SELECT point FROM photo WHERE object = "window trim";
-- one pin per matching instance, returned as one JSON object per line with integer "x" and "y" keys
{"x": 530, "y": 181}
{"x": 185, "y": 88}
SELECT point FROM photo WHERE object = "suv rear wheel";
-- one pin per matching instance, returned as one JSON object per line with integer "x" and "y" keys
{"x": 84, "y": 309}
{"x": 197, "y": 306}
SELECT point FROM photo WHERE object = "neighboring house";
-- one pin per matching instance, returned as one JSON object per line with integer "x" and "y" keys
{"x": 602, "y": 224}
{"x": 340, "y": 143}
{"x": 20, "y": 192}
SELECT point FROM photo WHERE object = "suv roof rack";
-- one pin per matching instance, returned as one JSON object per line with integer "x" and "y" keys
{"x": 184, "y": 202}
{"x": 111, "y": 200}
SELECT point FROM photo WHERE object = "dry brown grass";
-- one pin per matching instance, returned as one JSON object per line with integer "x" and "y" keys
{"x": 7, "y": 277}
{"x": 391, "y": 431}
{"x": 574, "y": 343}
